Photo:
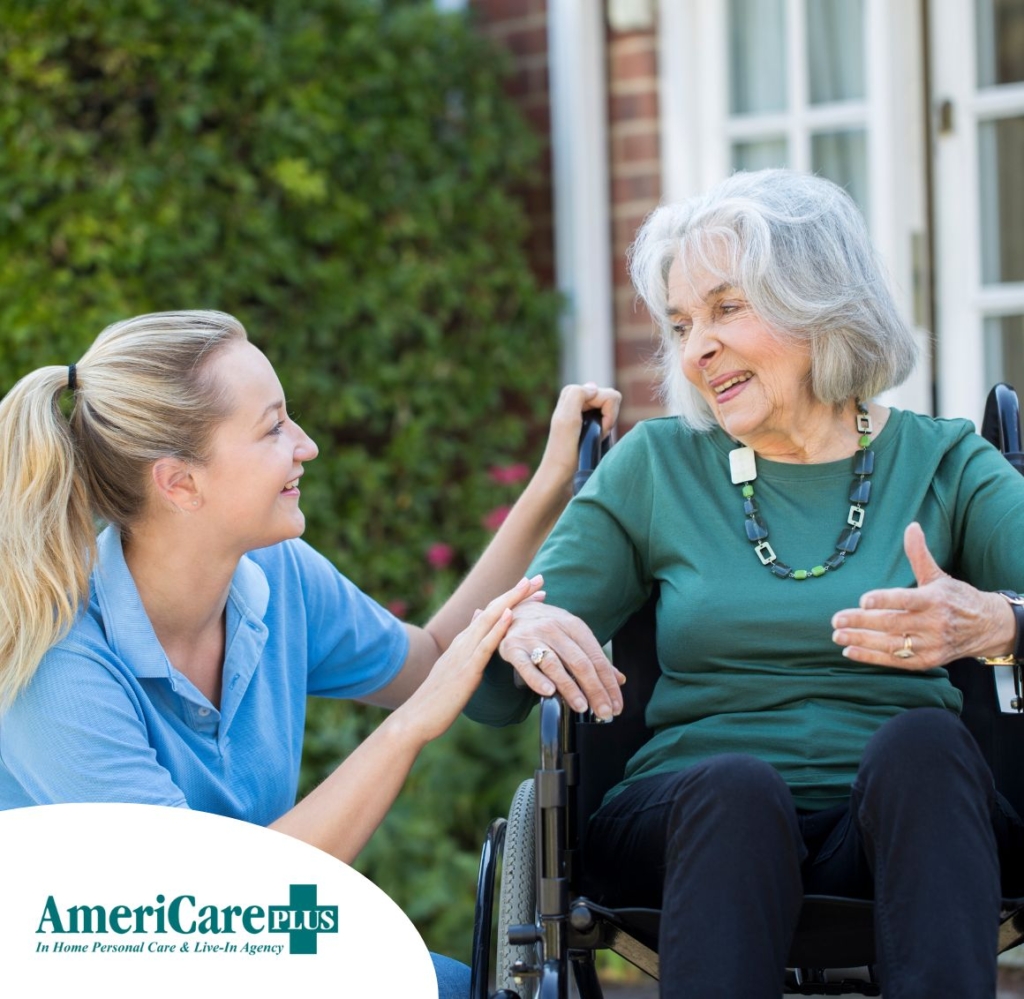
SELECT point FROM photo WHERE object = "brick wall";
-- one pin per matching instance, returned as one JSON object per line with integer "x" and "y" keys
{"x": 520, "y": 26}
{"x": 635, "y": 171}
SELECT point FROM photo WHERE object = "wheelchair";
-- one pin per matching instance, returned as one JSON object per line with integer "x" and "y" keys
{"x": 545, "y": 921}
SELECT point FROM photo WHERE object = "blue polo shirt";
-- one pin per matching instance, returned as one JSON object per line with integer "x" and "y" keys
{"x": 108, "y": 718}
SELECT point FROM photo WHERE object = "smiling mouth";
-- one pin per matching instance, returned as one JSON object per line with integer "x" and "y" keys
{"x": 294, "y": 484}
{"x": 730, "y": 382}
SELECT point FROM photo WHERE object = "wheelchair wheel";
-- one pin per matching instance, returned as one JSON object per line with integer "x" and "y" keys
{"x": 517, "y": 900}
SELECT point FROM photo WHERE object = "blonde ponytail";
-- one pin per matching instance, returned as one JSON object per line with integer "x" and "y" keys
{"x": 46, "y": 532}
{"x": 142, "y": 392}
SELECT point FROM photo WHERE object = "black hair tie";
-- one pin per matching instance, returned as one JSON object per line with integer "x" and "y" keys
{"x": 72, "y": 377}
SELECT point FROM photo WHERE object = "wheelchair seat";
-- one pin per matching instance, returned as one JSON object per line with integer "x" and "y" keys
{"x": 551, "y": 921}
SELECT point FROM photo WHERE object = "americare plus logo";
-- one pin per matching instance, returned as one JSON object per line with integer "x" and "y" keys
{"x": 303, "y": 919}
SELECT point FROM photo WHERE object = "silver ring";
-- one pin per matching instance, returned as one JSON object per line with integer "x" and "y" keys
{"x": 908, "y": 649}
{"x": 537, "y": 655}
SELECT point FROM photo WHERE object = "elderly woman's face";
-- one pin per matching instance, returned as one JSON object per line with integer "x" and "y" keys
{"x": 756, "y": 383}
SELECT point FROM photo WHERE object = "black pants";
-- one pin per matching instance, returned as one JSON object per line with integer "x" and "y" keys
{"x": 723, "y": 851}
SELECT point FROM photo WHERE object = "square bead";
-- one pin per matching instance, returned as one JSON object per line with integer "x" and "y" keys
{"x": 864, "y": 462}
{"x": 861, "y": 491}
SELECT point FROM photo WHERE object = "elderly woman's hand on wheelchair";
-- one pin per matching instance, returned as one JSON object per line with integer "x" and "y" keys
{"x": 553, "y": 650}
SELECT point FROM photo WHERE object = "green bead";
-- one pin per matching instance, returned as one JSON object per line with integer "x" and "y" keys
{"x": 818, "y": 570}
{"x": 800, "y": 574}
{"x": 865, "y": 440}
{"x": 748, "y": 490}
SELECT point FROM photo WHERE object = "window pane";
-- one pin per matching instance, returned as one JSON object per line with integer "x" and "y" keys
{"x": 842, "y": 157}
{"x": 757, "y": 56}
{"x": 835, "y": 50}
{"x": 1000, "y": 154}
{"x": 1000, "y": 41}
{"x": 760, "y": 155}
{"x": 1004, "y": 351}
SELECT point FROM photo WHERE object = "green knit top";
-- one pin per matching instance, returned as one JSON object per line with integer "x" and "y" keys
{"x": 747, "y": 660}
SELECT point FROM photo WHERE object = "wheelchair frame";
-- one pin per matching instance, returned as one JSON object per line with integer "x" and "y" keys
{"x": 834, "y": 936}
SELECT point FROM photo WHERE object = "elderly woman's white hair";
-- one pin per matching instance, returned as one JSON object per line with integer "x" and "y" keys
{"x": 797, "y": 246}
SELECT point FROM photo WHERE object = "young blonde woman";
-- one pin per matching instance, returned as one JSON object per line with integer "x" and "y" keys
{"x": 168, "y": 660}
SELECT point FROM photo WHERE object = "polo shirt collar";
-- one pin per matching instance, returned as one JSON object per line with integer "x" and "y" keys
{"x": 128, "y": 629}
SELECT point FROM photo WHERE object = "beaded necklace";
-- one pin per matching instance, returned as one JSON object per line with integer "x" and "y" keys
{"x": 744, "y": 471}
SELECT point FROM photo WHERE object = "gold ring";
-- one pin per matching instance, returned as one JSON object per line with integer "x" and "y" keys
{"x": 537, "y": 655}
{"x": 908, "y": 649}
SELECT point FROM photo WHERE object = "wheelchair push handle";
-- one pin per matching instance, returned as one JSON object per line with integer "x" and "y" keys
{"x": 591, "y": 448}
{"x": 1001, "y": 424}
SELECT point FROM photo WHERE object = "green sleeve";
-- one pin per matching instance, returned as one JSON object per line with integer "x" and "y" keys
{"x": 985, "y": 496}
{"x": 603, "y": 535}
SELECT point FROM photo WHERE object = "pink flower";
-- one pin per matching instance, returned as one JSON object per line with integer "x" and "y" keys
{"x": 398, "y": 607}
{"x": 496, "y": 517}
{"x": 440, "y": 555}
{"x": 507, "y": 475}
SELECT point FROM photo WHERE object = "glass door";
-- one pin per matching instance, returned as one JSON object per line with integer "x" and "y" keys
{"x": 977, "y": 97}
{"x": 807, "y": 110}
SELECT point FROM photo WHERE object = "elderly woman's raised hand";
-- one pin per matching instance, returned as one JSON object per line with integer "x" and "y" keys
{"x": 552, "y": 649}
{"x": 939, "y": 620}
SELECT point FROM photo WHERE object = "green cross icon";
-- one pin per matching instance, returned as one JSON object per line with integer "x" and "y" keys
{"x": 303, "y": 919}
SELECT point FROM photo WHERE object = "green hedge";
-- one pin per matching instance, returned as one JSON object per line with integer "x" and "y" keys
{"x": 340, "y": 174}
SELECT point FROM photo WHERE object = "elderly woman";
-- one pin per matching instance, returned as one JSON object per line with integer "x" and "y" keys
{"x": 168, "y": 662}
{"x": 817, "y": 557}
